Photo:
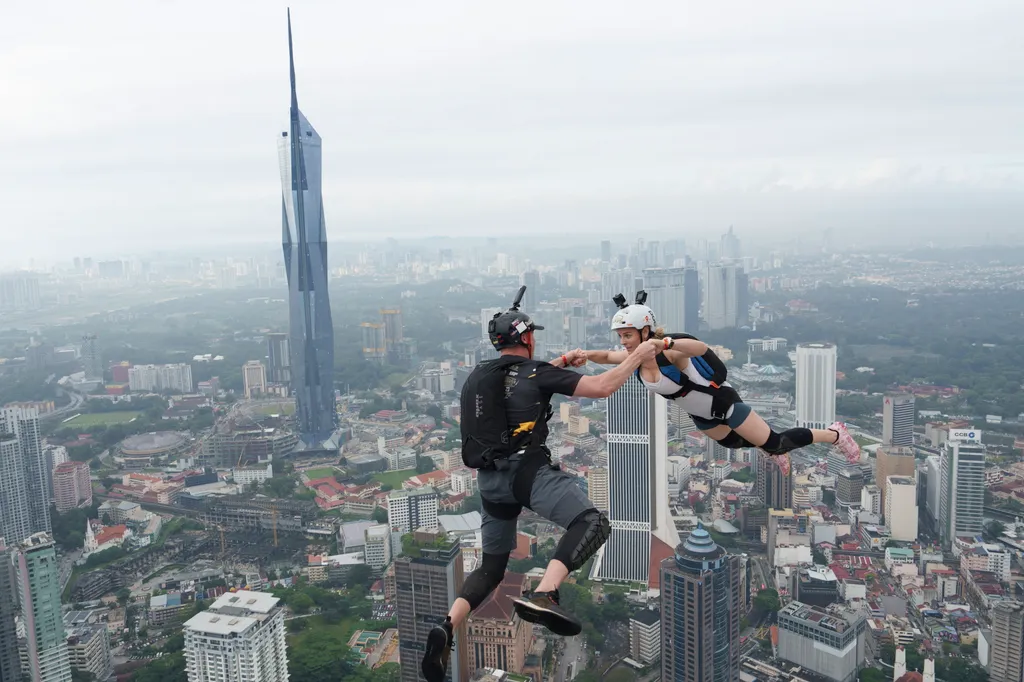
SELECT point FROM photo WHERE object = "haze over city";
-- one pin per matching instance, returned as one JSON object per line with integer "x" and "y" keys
{"x": 137, "y": 127}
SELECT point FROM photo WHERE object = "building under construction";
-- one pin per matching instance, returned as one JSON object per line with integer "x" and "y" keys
{"x": 260, "y": 514}
{"x": 240, "y": 442}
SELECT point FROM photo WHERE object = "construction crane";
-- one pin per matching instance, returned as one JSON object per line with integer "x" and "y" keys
{"x": 223, "y": 545}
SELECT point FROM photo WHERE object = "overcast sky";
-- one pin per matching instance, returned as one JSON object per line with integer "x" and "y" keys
{"x": 139, "y": 125}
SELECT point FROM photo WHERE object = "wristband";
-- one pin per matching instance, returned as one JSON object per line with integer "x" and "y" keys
{"x": 667, "y": 341}
{"x": 565, "y": 361}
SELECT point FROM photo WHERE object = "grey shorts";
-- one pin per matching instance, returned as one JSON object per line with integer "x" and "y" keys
{"x": 555, "y": 495}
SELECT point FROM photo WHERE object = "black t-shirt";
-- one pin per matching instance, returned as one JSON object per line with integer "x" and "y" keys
{"x": 529, "y": 385}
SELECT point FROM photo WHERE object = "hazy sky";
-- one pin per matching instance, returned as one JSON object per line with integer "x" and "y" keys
{"x": 132, "y": 125}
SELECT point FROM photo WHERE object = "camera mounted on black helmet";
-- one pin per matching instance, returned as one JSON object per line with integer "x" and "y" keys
{"x": 506, "y": 329}
{"x": 619, "y": 300}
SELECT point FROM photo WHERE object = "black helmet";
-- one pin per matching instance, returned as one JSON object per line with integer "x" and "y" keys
{"x": 506, "y": 329}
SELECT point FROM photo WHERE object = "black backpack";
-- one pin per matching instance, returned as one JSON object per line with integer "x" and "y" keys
{"x": 484, "y": 423}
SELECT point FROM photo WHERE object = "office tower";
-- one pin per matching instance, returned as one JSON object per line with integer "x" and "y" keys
{"x": 606, "y": 251}
{"x": 14, "y": 509}
{"x": 92, "y": 357}
{"x": 730, "y": 246}
{"x": 304, "y": 241}
{"x": 1006, "y": 654}
{"x": 829, "y": 643}
{"x": 597, "y": 487}
{"x": 701, "y": 609}
{"x": 901, "y": 507}
{"x": 577, "y": 328}
{"x": 849, "y": 485}
{"x": 933, "y": 494}
{"x": 24, "y": 424}
{"x": 394, "y": 332}
{"x": 409, "y": 510}
{"x": 531, "y": 299}
{"x": 962, "y": 498}
{"x": 691, "y": 299}
{"x": 645, "y": 636}
{"x": 254, "y": 379}
{"x": 725, "y": 297}
{"x": 72, "y": 487}
{"x": 278, "y": 359}
{"x": 374, "y": 343}
{"x": 815, "y": 385}
{"x": 427, "y": 580}
{"x": 667, "y": 297}
{"x": 637, "y": 485}
{"x": 10, "y": 666}
{"x": 39, "y": 592}
{"x": 377, "y": 547}
{"x": 497, "y": 638}
{"x": 891, "y": 460}
{"x": 871, "y": 499}
{"x": 774, "y": 488}
{"x": 240, "y": 638}
{"x": 20, "y": 291}
{"x": 898, "y": 420}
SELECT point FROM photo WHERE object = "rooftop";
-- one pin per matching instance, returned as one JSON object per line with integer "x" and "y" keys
{"x": 254, "y": 602}
{"x": 214, "y": 623}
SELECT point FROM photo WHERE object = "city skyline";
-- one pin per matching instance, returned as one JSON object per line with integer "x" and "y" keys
{"x": 693, "y": 121}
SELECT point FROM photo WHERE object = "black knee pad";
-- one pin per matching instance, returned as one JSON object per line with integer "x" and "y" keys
{"x": 735, "y": 441}
{"x": 790, "y": 439}
{"x": 582, "y": 539}
{"x": 484, "y": 579}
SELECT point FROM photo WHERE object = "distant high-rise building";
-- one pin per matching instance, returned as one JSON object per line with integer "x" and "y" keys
{"x": 10, "y": 666}
{"x": 606, "y": 251}
{"x": 24, "y": 424}
{"x": 773, "y": 487}
{"x": 531, "y": 280}
{"x": 668, "y": 298}
{"x": 597, "y": 487}
{"x": 377, "y": 550}
{"x": 426, "y": 585}
{"x": 39, "y": 592}
{"x": 577, "y": 328}
{"x": 645, "y": 636}
{"x": 20, "y": 291}
{"x": 278, "y": 358}
{"x": 72, "y": 486}
{"x": 701, "y": 610}
{"x": 637, "y": 485}
{"x": 898, "y": 420}
{"x": 254, "y": 379}
{"x": 892, "y": 461}
{"x": 304, "y": 241}
{"x": 394, "y": 331}
{"x": 830, "y": 644}
{"x": 153, "y": 378}
{"x": 962, "y": 498}
{"x": 374, "y": 342}
{"x": 849, "y": 485}
{"x": 240, "y": 638}
{"x": 815, "y": 385}
{"x": 901, "y": 507}
{"x": 725, "y": 297}
{"x": 486, "y": 315}
{"x": 729, "y": 249}
{"x": 92, "y": 357}
{"x": 1006, "y": 653}
{"x": 15, "y": 524}
{"x": 409, "y": 510}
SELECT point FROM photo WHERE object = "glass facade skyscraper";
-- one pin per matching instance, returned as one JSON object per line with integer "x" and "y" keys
{"x": 304, "y": 240}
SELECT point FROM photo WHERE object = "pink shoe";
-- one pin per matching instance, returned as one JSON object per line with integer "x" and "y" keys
{"x": 845, "y": 443}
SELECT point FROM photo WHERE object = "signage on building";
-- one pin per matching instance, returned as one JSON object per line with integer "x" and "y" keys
{"x": 964, "y": 436}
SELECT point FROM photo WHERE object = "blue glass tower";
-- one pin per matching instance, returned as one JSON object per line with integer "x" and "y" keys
{"x": 304, "y": 240}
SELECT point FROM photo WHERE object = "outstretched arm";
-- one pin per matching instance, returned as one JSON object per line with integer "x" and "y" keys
{"x": 607, "y": 357}
{"x": 682, "y": 349}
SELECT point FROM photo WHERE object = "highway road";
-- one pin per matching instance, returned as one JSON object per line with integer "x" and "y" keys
{"x": 573, "y": 648}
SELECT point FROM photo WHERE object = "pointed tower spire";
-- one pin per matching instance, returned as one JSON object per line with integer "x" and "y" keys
{"x": 291, "y": 70}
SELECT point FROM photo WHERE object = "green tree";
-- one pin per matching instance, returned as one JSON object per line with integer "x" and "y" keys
{"x": 380, "y": 515}
{"x": 767, "y": 600}
{"x": 699, "y": 507}
{"x": 123, "y": 595}
{"x": 871, "y": 675}
{"x": 321, "y": 657}
{"x": 170, "y": 668}
{"x": 301, "y": 603}
{"x": 994, "y": 529}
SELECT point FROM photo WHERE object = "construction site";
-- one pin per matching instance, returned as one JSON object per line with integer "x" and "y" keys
{"x": 265, "y": 530}
{"x": 251, "y": 433}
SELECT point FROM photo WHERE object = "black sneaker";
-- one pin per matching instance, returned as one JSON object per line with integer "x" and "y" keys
{"x": 439, "y": 647}
{"x": 542, "y": 608}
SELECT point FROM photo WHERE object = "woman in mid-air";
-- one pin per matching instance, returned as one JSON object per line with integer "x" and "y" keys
{"x": 687, "y": 371}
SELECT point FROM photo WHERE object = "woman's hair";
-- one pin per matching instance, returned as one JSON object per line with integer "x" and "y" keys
{"x": 658, "y": 333}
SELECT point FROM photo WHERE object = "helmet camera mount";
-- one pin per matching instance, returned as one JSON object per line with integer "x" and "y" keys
{"x": 619, "y": 300}
{"x": 641, "y": 297}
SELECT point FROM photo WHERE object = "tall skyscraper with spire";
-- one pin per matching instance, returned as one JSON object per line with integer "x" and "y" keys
{"x": 304, "y": 240}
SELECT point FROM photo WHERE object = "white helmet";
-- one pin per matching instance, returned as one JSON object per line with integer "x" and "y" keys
{"x": 634, "y": 316}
